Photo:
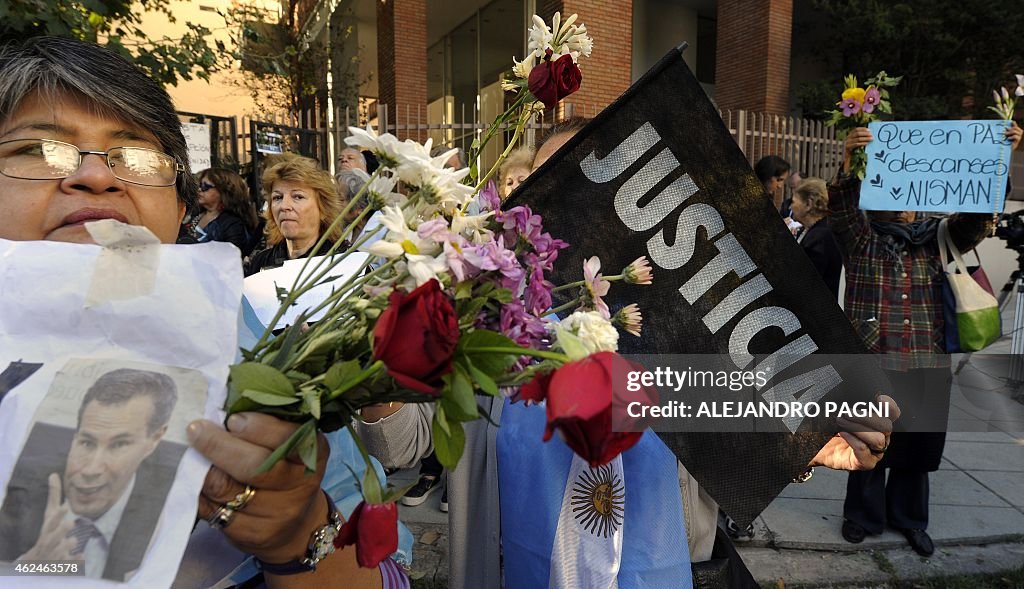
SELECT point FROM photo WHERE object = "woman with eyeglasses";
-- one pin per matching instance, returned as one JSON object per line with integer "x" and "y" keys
{"x": 302, "y": 202}
{"x": 226, "y": 214}
{"x": 85, "y": 135}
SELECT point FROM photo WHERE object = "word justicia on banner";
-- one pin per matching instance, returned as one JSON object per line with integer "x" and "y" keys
{"x": 696, "y": 210}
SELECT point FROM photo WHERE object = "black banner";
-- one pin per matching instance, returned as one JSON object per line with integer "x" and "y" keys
{"x": 657, "y": 174}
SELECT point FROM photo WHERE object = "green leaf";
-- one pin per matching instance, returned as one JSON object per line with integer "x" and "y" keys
{"x": 449, "y": 447}
{"x": 307, "y": 448}
{"x": 292, "y": 334}
{"x": 285, "y": 448}
{"x": 469, "y": 310}
{"x": 341, "y": 373}
{"x": 463, "y": 290}
{"x": 441, "y": 418}
{"x": 269, "y": 399}
{"x": 320, "y": 345}
{"x": 458, "y": 398}
{"x": 570, "y": 344}
{"x": 483, "y": 380}
{"x": 502, "y": 295}
{"x": 492, "y": 363}
{"x": 311, "y": 402}
{"x": 253, "y": 376}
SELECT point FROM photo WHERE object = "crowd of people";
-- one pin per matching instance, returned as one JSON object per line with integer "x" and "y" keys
{"x": 56, "y": 92}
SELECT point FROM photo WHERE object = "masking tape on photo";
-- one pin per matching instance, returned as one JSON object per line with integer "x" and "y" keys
{"x": 127, "y": 266}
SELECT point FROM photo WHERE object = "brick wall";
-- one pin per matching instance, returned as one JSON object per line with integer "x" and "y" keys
{"x": 402, "y": 57}
{"x": 607, "y": 72}
{"x": 753, "y": 55}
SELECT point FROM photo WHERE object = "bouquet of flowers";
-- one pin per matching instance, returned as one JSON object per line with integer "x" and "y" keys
{"x": 452, "y": 302}
{"x": 1005, "y": 103}
{"x": 860, "y": 106}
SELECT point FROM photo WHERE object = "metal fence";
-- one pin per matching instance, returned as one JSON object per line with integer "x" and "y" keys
{"x": 809, "y": 146}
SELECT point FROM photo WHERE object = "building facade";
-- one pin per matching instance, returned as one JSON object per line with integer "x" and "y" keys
{"x": 441, "y": 62}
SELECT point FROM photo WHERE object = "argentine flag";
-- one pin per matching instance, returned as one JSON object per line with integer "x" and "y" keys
{"x": 566, "y": 525}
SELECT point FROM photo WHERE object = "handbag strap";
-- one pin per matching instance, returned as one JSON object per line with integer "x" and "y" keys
{"x": 946, "y": 241}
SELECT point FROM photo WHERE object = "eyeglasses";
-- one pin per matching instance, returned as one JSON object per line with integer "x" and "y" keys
{"x": 204, "y": 186}
{"x": 46, "y": 159}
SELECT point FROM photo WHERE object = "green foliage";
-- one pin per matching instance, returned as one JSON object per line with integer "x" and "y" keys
{"x": 282, "y": 69}
{"x": 952, "y": 54}
{"x": 116, "y": 25}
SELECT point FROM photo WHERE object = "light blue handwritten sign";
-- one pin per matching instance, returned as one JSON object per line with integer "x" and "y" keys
{"x": 941, "y": 166}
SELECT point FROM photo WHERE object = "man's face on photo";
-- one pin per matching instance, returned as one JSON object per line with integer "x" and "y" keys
{"x": 111, "y": 442}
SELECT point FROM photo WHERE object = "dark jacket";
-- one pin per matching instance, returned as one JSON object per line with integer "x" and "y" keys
{"x": 228, "y": 227}
{"x": 821, "y": 247}
{"x": 276, "y": 256}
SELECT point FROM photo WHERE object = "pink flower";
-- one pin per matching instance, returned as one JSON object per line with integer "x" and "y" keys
{"x": 454, "y": 251}
{"x": 638, "y": 271}
{"x": 850, "y": 107}
{"x": 871, "y": 98}
{"x": 520, "y": 326}
{"x": 434, "y": 230}
{"x": 489, "y": 198}
{"x": 596, "y": 285}
{"x": 629, "y": 319}
{"x": 538, "y": 292}
{"x": 493, "y": 256}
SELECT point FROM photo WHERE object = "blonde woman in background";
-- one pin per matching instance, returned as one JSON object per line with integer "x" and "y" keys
{"x": 302, "y": 203}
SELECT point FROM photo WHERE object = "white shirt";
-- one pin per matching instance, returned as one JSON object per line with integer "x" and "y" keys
{"x": 97, "y": 550}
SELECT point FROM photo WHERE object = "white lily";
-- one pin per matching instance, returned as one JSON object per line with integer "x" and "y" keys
{"x": 381, "y": 192}
{"x": 522, "y": 69}
{"x": 400, "y": 239}
{"x": 423, "y": 268}
{"x": 385, "y": 146}
{"x": 471, "y": 226}
{"x": 540, "y": 37}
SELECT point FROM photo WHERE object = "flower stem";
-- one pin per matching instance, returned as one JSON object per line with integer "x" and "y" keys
{"x": 578, "y": 283}
{"x": 566, "y": 306}
{"x": 371, "y": 371}
{"x": 372, "y": 491}
{"x": 547, "y": 355}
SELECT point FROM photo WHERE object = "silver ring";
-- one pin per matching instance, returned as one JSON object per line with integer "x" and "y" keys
{"x": 222, "y": 517}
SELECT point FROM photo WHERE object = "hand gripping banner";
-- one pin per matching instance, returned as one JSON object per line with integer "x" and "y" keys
{"x": 657, "y": 174}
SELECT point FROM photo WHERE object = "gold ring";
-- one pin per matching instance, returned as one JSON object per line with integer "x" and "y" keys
{"x": 222, "y": 517}
{"x": 242, "y": 499}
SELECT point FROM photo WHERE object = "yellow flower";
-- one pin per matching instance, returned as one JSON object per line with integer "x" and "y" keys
{"x": 854, "y": 94}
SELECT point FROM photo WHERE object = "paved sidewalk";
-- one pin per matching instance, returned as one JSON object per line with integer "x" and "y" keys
{"x": 977, "y": 507}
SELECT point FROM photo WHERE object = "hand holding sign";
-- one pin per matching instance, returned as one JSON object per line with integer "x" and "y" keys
{"x": 943, "y": 166}
{"x": 1014, "y": 134}
{"x": 863, "y": 443}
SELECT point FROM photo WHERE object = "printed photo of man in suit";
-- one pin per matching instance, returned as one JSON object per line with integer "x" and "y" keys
{"x": 101, "y": 505}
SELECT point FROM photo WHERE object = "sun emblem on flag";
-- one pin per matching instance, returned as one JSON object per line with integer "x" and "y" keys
{"x": 597, "y": 500}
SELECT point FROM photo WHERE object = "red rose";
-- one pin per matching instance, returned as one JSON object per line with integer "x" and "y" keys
{"x": 580, "y": 396}
{"x": 373, "y": 528}
{"x": 416, "y": 336}
{"x": 551, "y": 81}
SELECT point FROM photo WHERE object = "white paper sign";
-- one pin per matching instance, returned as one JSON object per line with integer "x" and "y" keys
{"x": 197, "y": 136}
{"x": 261, "y": 288}
{"x": 96, "y": 387}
